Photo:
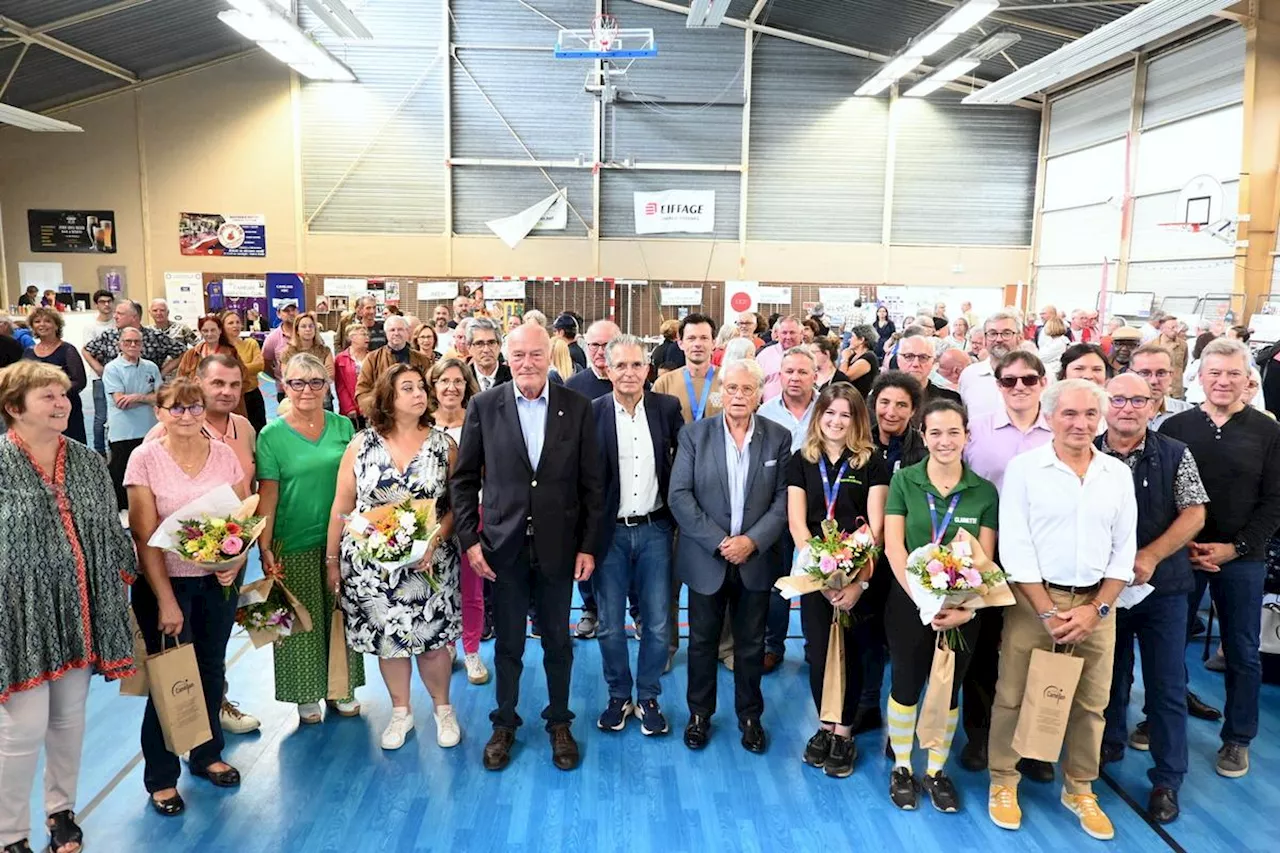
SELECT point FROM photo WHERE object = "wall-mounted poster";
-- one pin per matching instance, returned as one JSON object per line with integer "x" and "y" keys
{"x": 284, "y": 288}
{"x": 237, "y": 294}
{"x": 72, "y": 230}
{"x": 231, "y": 236}
{"x": 183, "y": 292}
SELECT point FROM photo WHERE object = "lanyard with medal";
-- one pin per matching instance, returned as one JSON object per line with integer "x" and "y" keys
{"x": 830, "y": 491}
{"x": 700, "y": 407}
{"x": 937, "y": 531}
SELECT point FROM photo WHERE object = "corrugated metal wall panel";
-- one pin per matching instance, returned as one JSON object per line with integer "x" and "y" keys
{"x": 1153, "y": 243}
{"x": 1080, "y": 235}
{"x": 1196, "y": 78}
{"x": 508, "y": 22}
{"x": 975, "y": 188}
{"x": 1087, "y": 176}
{"x": 395, "y": 184}
{"x": 1094, "y": 114}
{"x": 817, "y": 153}
{"x": 617, "y": 200}
{"x": 1190, "y": 279}
{"x": 482, "y": 193}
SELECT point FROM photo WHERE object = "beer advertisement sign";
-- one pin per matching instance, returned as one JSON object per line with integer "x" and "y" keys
{"x": 72, "y": 231}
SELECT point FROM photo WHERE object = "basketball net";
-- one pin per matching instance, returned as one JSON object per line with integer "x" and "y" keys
{"x": 604, "y": 32}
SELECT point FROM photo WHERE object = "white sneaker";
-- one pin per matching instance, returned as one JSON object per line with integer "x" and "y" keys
{"x": 349, "y": 708}
{"x": 477, "y": 672}
{"x": 398, "y": 729}
{"x": 235, "y": 721}
{"x": 310, "y": 713}
{"x": 447, "y": 732}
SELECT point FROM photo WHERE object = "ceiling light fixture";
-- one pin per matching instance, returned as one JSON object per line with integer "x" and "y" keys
{"x": 34, "y": 121}
{"x": 959, "y": 21}
{"x": 1142, "y": 26}
{"x": 262, "y": 21}
{"x": 958, "y": 68}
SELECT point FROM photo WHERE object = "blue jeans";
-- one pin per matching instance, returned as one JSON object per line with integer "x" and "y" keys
{"x": 1237, "y": 597}
{"x": 778, "y": 623}
{"x": 1154, "y": 623}
{"x": 639, "y": 558}
{"x": 99, "y": 417}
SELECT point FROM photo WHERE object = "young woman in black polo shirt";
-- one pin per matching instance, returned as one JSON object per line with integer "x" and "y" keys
{"x": 930, "y": 502}
{"x": 837, "y": 474}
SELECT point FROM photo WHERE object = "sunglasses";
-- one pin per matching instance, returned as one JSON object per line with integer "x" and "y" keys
{"x": 302, "y": 384}
{"x": 1012, "y": 381}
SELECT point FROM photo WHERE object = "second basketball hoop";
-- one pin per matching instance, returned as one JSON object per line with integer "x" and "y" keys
{"x": 606, "y": 39}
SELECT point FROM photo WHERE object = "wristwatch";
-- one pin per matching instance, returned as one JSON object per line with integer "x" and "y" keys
{"x": 1104, "y": 609}
{"x": 1241, "y": 546}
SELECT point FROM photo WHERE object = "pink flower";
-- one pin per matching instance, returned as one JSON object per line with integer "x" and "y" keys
{"x": 971, "y": 577}
{"x": 828, "y": 564}
{"x": 232, "y": 546}
{"x": 934, "y": 567}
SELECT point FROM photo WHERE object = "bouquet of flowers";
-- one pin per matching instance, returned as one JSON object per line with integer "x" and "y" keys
{"x": 269, "y": 612}
{"x": 831, "y": 560}
{"x": 396, "y": 536}
{"x": 955, "y": 575}
{"x": 212, "y": 531}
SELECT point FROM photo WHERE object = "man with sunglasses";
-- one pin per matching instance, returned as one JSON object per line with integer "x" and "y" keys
{"x": 978, "y": 382}
{"x": 1154, "y": 363}
{"x": 1171, "y": 510}
{"x": 995, "y": 439}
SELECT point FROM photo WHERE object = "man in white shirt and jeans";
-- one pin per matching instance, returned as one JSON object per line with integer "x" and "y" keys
{"x": 1068, "y": 538}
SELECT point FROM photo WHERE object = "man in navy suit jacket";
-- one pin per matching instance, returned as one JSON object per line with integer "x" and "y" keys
{"x": 637, "y": 433}
{"x": 729, "y": 496}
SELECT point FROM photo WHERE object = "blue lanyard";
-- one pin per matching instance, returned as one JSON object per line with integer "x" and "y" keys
{"x": 830, "y": 491}
{"x": 946, "y": 519}
{"x": 700, "y": 407}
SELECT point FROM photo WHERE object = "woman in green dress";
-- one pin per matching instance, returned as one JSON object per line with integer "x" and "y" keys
{"x": 298, "y": 458}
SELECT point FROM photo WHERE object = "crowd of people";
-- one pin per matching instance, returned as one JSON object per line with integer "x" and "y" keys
{"x": 1070, "y": 456}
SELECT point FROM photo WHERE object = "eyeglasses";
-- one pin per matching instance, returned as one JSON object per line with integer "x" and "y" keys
{"x": 485, "y": 344}
{"x": 598, "y": 346}
{"x": 915, "y": 356}
{"x": 1029, "y": 381}
{"x": 452, "y": 383}
{"x": 131, "y": 342}
{"x": 1158, "y": 374}
{"x": 1136, "y": 402}
{"x": 195, "y": 410}
{"x": 1005, "y": 335}
{"x": 738, "y": 390}
{"x": 302, "y": 384}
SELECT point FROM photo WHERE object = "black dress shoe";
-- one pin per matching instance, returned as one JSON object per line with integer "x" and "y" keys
{"x": 1163, "y": 805}
{"x": 974, "y": 756}
{"x": 1201, "y": 710}
{"x": 497, "y": 752}
{"x": 171, "y": 807}
{"x": 1036, "y": 771}
{"x": 698, "y": 732}
{"x": 564, "y": 749}
{"x": 22, "y": 846}
{"x": 1112, "y": 752}
{"x": 229, "y": 778}
{"x": 753, "y": 739}
{"x": 867, "y": 720}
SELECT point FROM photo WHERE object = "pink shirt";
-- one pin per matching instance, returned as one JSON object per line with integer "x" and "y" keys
{"x": 770, "y": 361}
{"x": 153, "y": 467}
{"x": 994, "y": 442}
{"x": 239, "y": 437}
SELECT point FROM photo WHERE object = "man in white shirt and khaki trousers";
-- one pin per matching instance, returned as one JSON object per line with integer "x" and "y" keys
{"x": 1068, "y": 546}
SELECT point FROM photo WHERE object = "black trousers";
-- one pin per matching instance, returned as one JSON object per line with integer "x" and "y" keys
{"x": 911, "y": 648}
{"x": 255, "y": 409}
{"x": 208, "y": 615}
{"x": 816, "y": 614}
{"x": 984, "y": 670}
{"x": 520, "y": 586}
{"x": 706, "y": 621}
{"x": 117, "y": 462}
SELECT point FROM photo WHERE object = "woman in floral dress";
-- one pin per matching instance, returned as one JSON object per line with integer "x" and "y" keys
{"x": 400, "y": 617}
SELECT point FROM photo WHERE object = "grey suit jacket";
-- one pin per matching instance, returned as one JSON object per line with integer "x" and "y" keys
{"x": 699, "y": 500}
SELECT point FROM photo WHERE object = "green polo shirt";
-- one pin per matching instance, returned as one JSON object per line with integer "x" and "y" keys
{"x": 978, "y": 506}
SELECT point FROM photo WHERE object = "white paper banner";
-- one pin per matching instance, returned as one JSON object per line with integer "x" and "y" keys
{"x": 688, "y": 211}
{"x": 740, "y": 296}
{"x": 680, "y": 296}
{"x": 504, "y": 290}
{"x": 513, "y": 229}
{"x": 244, "y": 287}
{"x": 774, "y": 295}
{"x": 556, "y": 217}
{"x": 184, "y": 291}
{"x": 431, "y": 290}
{"x": 349, "y": 287}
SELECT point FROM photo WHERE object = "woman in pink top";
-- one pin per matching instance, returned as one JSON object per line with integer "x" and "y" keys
{"x": 175, "y": 598}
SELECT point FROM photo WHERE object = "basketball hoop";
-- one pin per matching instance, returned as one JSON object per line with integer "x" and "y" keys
{"x": 605, "y": 39}
{"x": 1189, "y": 227}
{"x": 604, "y": 32}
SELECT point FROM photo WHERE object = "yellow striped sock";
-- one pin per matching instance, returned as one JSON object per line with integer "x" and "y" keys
{"x": 902, "y": 732}
{"x": 938, "y": 757}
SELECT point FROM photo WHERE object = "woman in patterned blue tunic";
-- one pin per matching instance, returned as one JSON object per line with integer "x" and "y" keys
{"x": 399, "y": 617}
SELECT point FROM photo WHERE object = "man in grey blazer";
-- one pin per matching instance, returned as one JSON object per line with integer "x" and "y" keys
{"x": 729, "y": 497}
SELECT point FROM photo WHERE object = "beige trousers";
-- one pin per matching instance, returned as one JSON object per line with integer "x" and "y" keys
{"x": 1023, "y": 633}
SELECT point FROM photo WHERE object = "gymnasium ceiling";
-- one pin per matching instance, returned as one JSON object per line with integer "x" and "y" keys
{"x": 55, "y": 52}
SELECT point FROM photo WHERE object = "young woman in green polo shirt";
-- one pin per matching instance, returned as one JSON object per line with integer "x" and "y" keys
{"x": 930, "y": 502}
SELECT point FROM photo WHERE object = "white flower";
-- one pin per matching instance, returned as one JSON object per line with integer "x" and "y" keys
{"x": 376, "y": 540}
{"x": 938, "y": 581}
{"x": 408, "y": 521}
{"x": 862, "y": 539}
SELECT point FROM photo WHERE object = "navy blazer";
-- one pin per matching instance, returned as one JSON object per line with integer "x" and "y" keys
{"x": 665, "y": 422}
{"x": 699, "y": 499}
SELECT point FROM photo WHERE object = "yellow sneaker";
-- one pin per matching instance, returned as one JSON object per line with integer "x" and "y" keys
{"x": 1092, "y": 819}
{"x": 1002, "y": 806}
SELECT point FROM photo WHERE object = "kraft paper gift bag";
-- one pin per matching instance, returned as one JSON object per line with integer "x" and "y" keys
{"x": 174, "y": 678}
{"x": 339, "y": 670}
{"x": 136, "y": 685}
{"x": 1046, "y": 704}
{"x": 833, "y": 685}
{"x": 932, "y": 725}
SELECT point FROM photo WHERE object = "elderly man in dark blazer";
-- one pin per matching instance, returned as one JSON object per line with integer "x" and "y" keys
{"x": 729, "y": 498}
{"x": 531, "y": 446}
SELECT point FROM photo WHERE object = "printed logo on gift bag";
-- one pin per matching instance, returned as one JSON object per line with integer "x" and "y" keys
{"x": 1055, "y": 693}
{"x": 180, "y": 687}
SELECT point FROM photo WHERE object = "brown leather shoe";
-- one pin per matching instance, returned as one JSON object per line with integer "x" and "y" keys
{"x": 771, "y": 662}
{"x": 564, "y": 749}
{"x": 497, "y": 752}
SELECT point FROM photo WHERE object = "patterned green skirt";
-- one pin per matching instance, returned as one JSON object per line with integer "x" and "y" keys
{"x": 302, "y": 661}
